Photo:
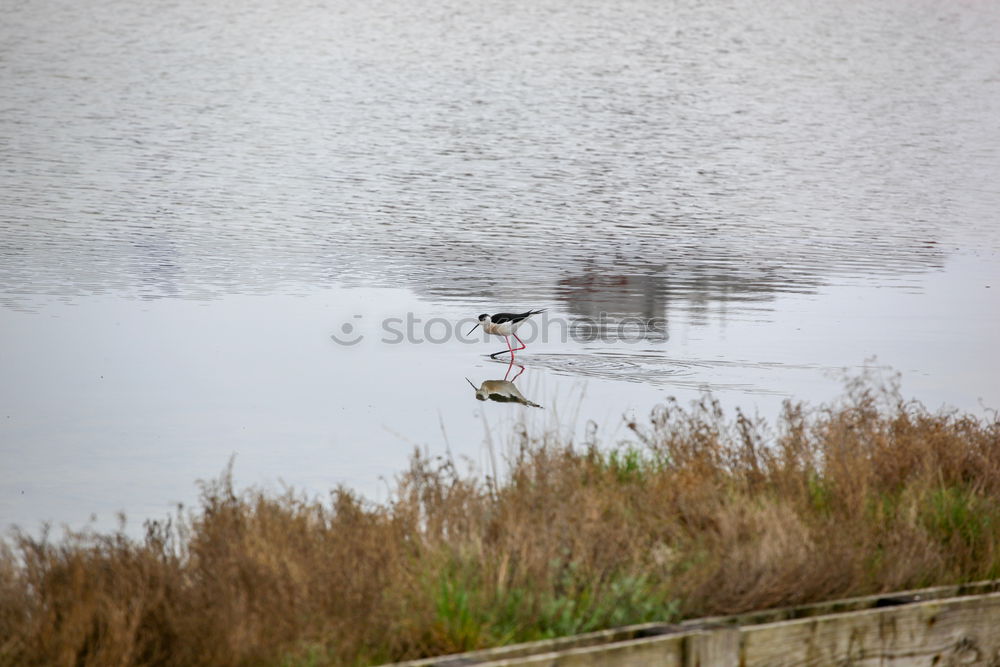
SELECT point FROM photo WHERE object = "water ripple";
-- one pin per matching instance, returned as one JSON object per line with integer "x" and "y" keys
{"x": 718, "y": 153}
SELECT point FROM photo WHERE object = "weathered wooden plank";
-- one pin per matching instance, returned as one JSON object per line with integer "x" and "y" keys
{"x": 709, "y": 648}
{"x": 850, "y": 604}
{"x": 952, "y": 631}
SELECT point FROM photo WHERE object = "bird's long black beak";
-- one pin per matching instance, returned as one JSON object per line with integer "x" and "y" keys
{"x": 473, "y": 328}
{"x": 471, "y": 385}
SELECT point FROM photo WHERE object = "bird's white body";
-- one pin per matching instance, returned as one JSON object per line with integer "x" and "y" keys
{"x": 501, "y": 329}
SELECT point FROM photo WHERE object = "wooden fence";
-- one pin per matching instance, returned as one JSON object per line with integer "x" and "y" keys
{"x": 944, "y": 626}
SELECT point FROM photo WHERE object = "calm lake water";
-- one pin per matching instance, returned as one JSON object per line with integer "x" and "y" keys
{"x": 250, "y": 229}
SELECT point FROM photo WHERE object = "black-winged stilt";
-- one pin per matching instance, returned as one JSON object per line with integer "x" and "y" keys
{"x": 505, "y": 324}
{"x": 503, "y": 391}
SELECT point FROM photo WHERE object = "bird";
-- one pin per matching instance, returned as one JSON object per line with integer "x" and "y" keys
{"x": 505, "y": 324}
{"x": 503, "y": 391}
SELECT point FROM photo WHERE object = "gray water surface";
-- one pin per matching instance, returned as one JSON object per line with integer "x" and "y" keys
{"x": 198, "y": 200}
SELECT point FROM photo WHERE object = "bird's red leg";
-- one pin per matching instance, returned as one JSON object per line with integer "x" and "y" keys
{"x": 518, "y": 373}
{"x": 495, "y": 354}
{"x": 519, "y": 341}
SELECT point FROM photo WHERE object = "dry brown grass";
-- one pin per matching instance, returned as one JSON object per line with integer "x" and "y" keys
{"x": 699, "y": 515}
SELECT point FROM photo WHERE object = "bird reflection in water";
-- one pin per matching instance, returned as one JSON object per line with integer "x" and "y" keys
{"x": 503, "y": 391}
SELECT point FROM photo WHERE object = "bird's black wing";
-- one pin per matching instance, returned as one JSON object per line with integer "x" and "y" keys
{"x": 501, "y": 318}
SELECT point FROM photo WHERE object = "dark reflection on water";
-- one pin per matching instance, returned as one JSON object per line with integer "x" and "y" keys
{"x": 638, "y": 154}
{"x": 503, "y": 391}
